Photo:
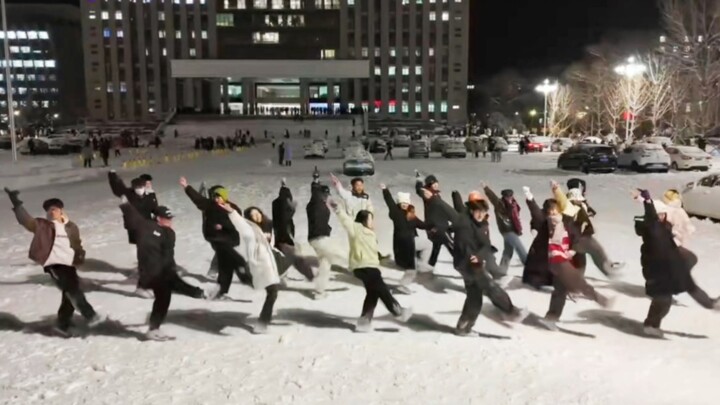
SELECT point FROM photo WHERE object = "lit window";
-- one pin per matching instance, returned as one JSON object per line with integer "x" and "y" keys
{"x": 418, "y": 70}
{"x": 266, "y": 37}
{"x": 164, "y": 51}
{"x": 120, "y": 34}
{"x": 277, "y": 4}
{"x": 663, "y": 39}
{"x": 406, "y": 70}
{"x": 22, "y": 35}
{"x": 109, "y": 87}
{"x": 92, "y": 15}
{"x": 391, "y": 108}
{"x": 161, "y": 34}
{"x": 27, "y": 63}
{"x": 378, "y": 72}
{"x": 19, "y": 63}
{"x": 11, "y": 35}
{"x": 14, "y": 49}
{"x": 50, "y": 63}
{"x": 431, "y": 51}
{"x": 295, "y": 4}
{"x": 327, "y": 54}
{"x": 443, "y": 107}
{"x": 391, "y": 70}
{"x": 32, "y": 35}
{"x": 203, "y": 34}
{"x": 418, "y": 106}
{"x": 192, "y": 52}
{"x": 431, "y": 107}
{"x": 364, "y": 52}
{"x": 178, "y": 34}
{"x": 39, "y": 64}
{"x": 105, "y": 15}
{"x": 377, "y": 52}
{"x": 225, "y": 20}
{"x": 445, "y": 16}
{"x": 25, "y": 49}
{"x": 418, "y": 89}
{"x": 161, "y": 16}
{"x": 41, "y": 34}
{"x": 455, "y": 107}
{"x": 433, "y": 17}
{"x": 392, "y": 52}
{"x": 118, "y": 15}
{"x": 260, "y": 3}
{"x": 123, "y": 87}
{"x": 405, "y": 107}
{"x": 22, "y": 90}
{"x": 106, "y": 32}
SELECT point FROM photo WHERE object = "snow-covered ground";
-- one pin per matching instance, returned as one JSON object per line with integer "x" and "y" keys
{"x": 311, "y": 355}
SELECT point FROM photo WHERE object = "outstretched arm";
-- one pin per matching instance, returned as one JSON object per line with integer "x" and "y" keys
{"x": 117, "y": 185}
{"x": 343, "y": 217}
{"x": 494, "y": 200}
{"x": 22, "y": 216}
{"x": 457, "y": 201}
{"x": 392, "y": 207}
{"x": 200, "y": 202}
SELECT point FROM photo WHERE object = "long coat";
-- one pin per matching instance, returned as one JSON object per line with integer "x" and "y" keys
{"x": 283, "y": 210}
{"x": 663, "y": 266}
{"x": 404, "y": 232}
{"x": 537, "y": 268}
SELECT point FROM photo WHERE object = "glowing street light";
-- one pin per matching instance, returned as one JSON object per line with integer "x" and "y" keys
{"x": 630, "y": 71}
{"x": 546, "y": 88}
{"x": 8, "y": 82}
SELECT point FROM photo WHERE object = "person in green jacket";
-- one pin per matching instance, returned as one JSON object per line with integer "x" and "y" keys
{"x": 364, "y": 264}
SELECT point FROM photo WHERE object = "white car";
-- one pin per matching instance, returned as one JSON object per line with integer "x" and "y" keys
{"x": 352, "y": 147}
{"x": 659, "y": 140}
{"x": 513, "y": 143}
{"x": 401, "y": 140}
{"x": 323, "y": 143}
{"x": 439, "y": 142}
{"x": 454, "y": 148}
{"x": 561, "y": 144}
{"x": 545, "y": 141}
{"x": 360, "y": 163}
{"x": 591, "y": 139}
{"x": 314, "y": 150}
{"x": 702, "y": 198}
{"x": 644, "y": 157}
{"x": 689, "y": 158}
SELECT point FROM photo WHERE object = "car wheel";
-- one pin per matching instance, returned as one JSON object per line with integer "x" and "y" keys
{"x": 585, "y": 169}
{"x": 635, "y": 167}
{"x": 674, "y": 166}
{"x": 704, "y": 169}
{"x": 664, "y": 171}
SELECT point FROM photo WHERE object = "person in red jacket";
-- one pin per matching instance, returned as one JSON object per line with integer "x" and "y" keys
{"x": 56, "y": 246}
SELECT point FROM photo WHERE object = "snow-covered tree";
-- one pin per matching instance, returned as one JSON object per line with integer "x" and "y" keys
{"x": 560, "y": 110}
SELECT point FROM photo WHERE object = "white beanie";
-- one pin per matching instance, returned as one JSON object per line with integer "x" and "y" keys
{"x": 403, "y": 198}
{"x": 575, "y": 194}
{"x": 661, "y": 207}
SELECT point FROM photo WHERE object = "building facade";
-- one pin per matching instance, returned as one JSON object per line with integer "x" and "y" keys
{"x": 145, "y": 58}
{"x": 45, "y": 63}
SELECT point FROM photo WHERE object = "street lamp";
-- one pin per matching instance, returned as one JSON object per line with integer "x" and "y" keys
{"x": 546, "y": 88}
{"x": 8, "y": 82}
{"x": 630, "y": 71}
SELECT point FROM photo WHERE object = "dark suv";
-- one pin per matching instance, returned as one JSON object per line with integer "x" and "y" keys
{"x": 588, "y": 158}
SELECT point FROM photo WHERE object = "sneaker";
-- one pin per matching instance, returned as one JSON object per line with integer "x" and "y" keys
{"x": 212, "y": 293}
{"x": 653, "y": 332}
{"x": 364, "y": 325}
{"x": 463, "y": 329}
{"x": 143, "y": 293}
{"x": 212, "y": 273}
{"x": 518, "y": 315}
{"x": 405, "y": 315}
{"x": 260, "y": 328}
{"x": 319, "y": 295}
{"x": 549, "y": 323}
{"x": 66, "y": 332}
{"x": 98, "y": 320}
{"x": 408, "y": 277}
{"x": 158, "y": 335}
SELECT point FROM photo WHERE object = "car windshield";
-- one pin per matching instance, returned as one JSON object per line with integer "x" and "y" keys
{"x": 651, "y": 146}
{"x": 602, "y": 150}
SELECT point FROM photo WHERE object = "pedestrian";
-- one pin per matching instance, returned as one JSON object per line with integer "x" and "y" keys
{"x": 484, "y": 146}
{"x": 665, "y": 268}
{"x": 364, "y": 264}
{"x": 57, "y": 247}
{"x": 117, "y": 147}
{"x": 408, "y": 256}
{"x": 437, "y": 216}
{"x": 105, "y": 151}
{"x": 272, "y": 141}
{"x": 507, "y": 215}
{"x": 388, "y": 151}
{"x": 31, "y": 145}
{"x": 156, "y": 261}
{"x": 220, "y": 232}
{"x": 136, "y": 142}
{"x": 176, "y": 133}
{"x": 283, "y": 210}
{"x": 319, "y": 229}
{"x": 491, "y": 148}
{"x": 337, "y": 141}
{"x": 87, "y": 154}
{"x": 281, "y": 154}
{"x": 702, "y": 143}
{"x": 288, "y": 155}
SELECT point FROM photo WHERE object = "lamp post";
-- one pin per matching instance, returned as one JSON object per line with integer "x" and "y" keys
{"x": 8, "y": 82}
{"x": 630, "y": 71}
{"x": 546, "y": 88}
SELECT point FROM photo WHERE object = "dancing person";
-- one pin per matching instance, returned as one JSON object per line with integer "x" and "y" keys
{"x": 319, "y": 230}
{"x": 283, "y": 210}
{"x": 507, "y": 215}
{"x": 437, "y": 217}
{"x": 364, "y": 264}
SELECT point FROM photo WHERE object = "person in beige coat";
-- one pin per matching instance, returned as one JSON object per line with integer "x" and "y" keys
{"x": 364, "y": 264}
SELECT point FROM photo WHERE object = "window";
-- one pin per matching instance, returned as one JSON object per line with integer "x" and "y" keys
{"x": 15, "y": 49}
{"x": 364, "y": 52}
{"x": 445, "y": 16}
{"x": 50, "y": 63}
{"x": 118, "y": 15}
{"x": 161, "y": 34}
{"x": 431, "y": 52}
{"x": 418, "y": 106}
{"x": 92, "y": 15}
{"x": 266, "y": 37}
{"x": 32, "y": 35}
{"x": 391, "y": 108}
{"x": 433, "y": 17}
{"x": 19, "y": 63}
{"x": 455, "y": 107}
{"x": 391, "y": 70}
{"x": 120, "y": 34}
{"x": 105, "y": 15}
{"x": 203, "y": 34}
{"x": 405, "y": 70}
{"x": 405, "y": 107}
{"x": 28, "y": 63}
{"x": 41, "y": 34}
{"x": 296, "y": 4}
{"x": 260, "y": 3}
{"x": 109, "y": 87}
{"x": 392, "y": 52}
{"x": 378, "y": 72}
{"x": 277, "y": 4}
{"x": 327, "y": 54}
{"x": 21, "y": 35}
{"x": 25, "y": 49}
{"x": 443, "y": 107}
{"x": 418, "y": 70}
{"x": 192, "y": 52}
{"x": 178, "y": 35}
{"x": 106, "y": 32}
{"x": 11, "y": 35}
{"x": 431, "y": 107}
{"x": 225, "y": 20}
{"x": 161, "y": 16}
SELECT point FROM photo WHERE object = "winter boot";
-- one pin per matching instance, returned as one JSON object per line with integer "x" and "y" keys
{"x": 261, "y": 328}
{"x": 212, "y": 293}
{"x": 158, "y": 335}
{"x": 98, "y": 320}
{"x": 653, "y": 332}
{"x": 518, "y": 315}
{"x": 364, "y": 325}
{"x": 408, "y": 277}
{"x": 404, "y": 314}
{"x": 143, "y": 293}
{"x": 464, "y": 328}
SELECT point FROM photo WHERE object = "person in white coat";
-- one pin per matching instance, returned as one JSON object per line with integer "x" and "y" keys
{"x": 364, "y": 264}
{"x": 356, "y": 199}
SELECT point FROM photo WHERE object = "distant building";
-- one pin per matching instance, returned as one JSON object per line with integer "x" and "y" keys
{"x": 392, "y": 58}
{"x": 46, "y": 63}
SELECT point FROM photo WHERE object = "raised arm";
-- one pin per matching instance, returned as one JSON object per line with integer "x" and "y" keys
{"x": 560, "y": 196}
{"x": 392, "y": 207}
{"x": 21, "y": 215}
{"x": 202, "y": 203}
{"x": 343, "y": 218}
{"x": 494, "y": 200}
{"x": 244, "y": 229}
{"x": 457, "y": 201}
{"x": 419, "y": 189}
{"x": 117, "y": 185}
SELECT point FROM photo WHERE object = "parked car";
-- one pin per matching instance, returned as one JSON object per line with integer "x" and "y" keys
{"x": 644, "y": 157}
{"x": 401, "y": 140}
{"x": 591, "y": 139}
{"x": 438, "y": 142}
{"x": 378, "y": 146}
{"x": 689, "y": 158}
{"x": 702, "y": 198}
{"x": 664, "y": 141}
{"x": 534, "y": 145}
{"x": 454, "y": 149}
{"x": 545, "y": 141}
{"x": 352, "y": 147}
{"x": 359, "y": 164}
{"x": 561, "y": 144}
{"x": 41, "y": 146}
{"x": 419, "y": 148}
{"x": 588, "y": 157}
{"x": 314, "y": 150}
{"x": 323, "y": 143}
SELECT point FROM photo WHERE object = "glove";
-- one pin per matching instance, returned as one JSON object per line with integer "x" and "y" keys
{"x": 14, "y": 199}
{"x": 123, "y": 199}
{"x": 316, "y": 174}
{"x": 282, "y": 182}
{"x": 528, "y": 194}
{"x": 644, "y": 194}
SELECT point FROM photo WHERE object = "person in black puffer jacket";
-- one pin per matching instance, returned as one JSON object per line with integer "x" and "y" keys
{"x": 319, "y": 230}
{"x": 156, "y": 259}
{"x": 438, "y": 216}
{"x": 219, "y": 231}
{"x": 283, "y": 210}
{"x": 405, "y": 226}
{"x": 665, "y": 270}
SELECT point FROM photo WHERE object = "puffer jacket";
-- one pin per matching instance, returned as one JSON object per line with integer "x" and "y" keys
{"x": 213, "y": 215}
{"x": 363, "y": 242}
{"x": 682, "y": 227}
{"x": 257, "y": 251}
{"x": 438, "y": 215}
{"x": 44, "y": 237}
{"x": 283, "y": 210}
{"x": 155, "y": 246}
{"x": 506, "y": 213}
{"x": 318, "y": 214}
{"x": 576, "y": 211}
{"x": 144, "y": 204}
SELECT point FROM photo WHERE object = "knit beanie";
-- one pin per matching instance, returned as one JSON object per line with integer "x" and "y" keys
{"x": 221, "y": 192}
{"x": 430, "y": 180}
{"x": 53, "y": 202}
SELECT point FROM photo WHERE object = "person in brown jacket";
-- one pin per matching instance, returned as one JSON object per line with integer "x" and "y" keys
{"x": 56, "y": 246}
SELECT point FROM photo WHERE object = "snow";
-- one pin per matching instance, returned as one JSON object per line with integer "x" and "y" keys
{"x": 311, "y": 355}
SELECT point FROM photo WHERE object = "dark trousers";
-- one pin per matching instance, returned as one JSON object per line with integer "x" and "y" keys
{"x": 117, "y": 152}
{"x": 288, "y": 163}
{"x": 438, "y": 240}
{"x": 589, "y": 245}
{"x": 478, "y": 283}
{"x": 388, "y": 154}
{"x": 87, "y": 163}
{"x": 375, "y": 289}
{"x": 568, "y": 279}
{"x": 660, "y": 306}
{"x": 67, "y": 280}
{"x": 163, "y": 288}
{"x": 271, "y": 293}
{"x": 229, "y": 262}
{"x": 105, "y": 159}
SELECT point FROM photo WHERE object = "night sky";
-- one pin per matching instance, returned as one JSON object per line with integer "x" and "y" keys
{"x": 534, "y": 35}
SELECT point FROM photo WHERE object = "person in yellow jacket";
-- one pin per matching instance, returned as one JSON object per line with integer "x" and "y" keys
{"x": 364, "y": 264}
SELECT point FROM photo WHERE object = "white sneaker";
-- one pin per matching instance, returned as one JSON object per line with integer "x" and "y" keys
{"x": 653, "y": 332}
{"x": 142, "y": 293}
{"x": 260, "y": 328}
{"x": 549, "y": 324}
{"x": 408, "y": 277}
{"x": 364, "y": 325}
{"x": 70, "y": 332}
{"x": 98, "y": 320}
{"x": 405, "y": 315}
{"x": 212, "y": 273}
{"x": 319, "y": 295}
{"x": 158, "y": 335}
{"x": 212, "y": 293}
{"x": 716, "y": 307}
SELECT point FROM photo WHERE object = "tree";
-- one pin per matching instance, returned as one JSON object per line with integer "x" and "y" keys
{"x": 693, "y": 43}
{"x": 635, "y": 93}
{"x": 560, "y": 110}
{"x": 613, "y": 105}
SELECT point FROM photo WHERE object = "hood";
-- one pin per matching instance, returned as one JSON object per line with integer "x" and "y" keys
{"x": 285, "y": 193}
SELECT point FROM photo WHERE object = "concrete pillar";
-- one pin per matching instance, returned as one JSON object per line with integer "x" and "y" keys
{"x": 304, "y": 96}
{"x": 330, "y": 95}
